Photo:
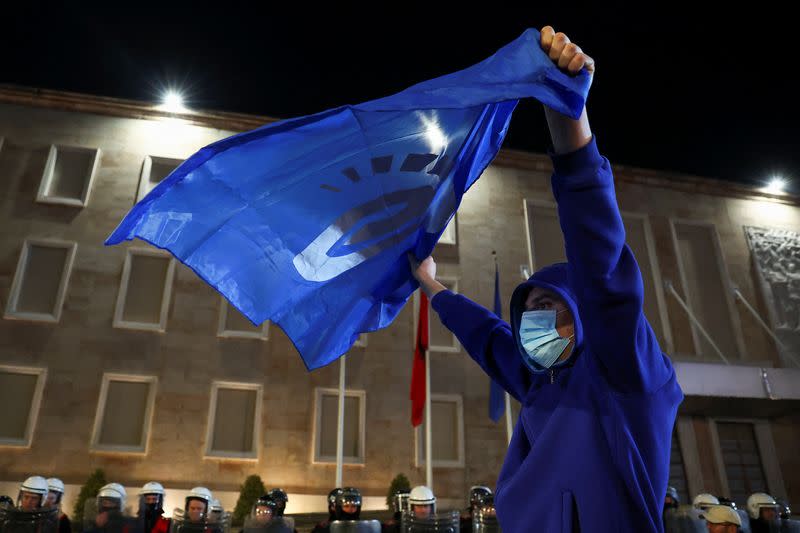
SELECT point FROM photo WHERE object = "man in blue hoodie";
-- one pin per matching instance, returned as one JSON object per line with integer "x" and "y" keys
{"x": 590, "y": 450}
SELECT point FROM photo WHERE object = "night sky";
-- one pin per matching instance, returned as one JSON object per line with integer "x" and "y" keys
{"x": 704, "y": 94}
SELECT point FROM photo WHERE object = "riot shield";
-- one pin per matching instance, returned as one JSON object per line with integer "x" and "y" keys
{"x": 355, "y": 526}
{"x": 745, "y": 518}
{"x": 180, "y": 524}
{"x": 689, "y": 521}
{"x": 790, "y": 526}
{"x": 108, "y": 521}
{"x": 288, "y": 520}
{"x": 485, "y": 521}
{"x": 14, "y": 520}
{"x": 275, "y": 525}
{"x": 444, "y": 522}
{"x": 223, "y": 524}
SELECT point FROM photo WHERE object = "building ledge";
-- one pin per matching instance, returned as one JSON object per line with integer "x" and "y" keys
{"x": 731, "y": 390}
{"x": 238, "y": 122}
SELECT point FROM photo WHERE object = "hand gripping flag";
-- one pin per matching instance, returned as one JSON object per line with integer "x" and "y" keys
{"x": 307, "y": 222}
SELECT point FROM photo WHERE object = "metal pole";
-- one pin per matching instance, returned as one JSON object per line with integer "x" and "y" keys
{"x": 428, "y": 444}
{"x": 764, "y": 325}
{"x": 340, "y": 424}
{"x": 700, "y": 328}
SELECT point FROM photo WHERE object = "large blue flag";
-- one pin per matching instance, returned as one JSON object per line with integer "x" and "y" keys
{"x": 497, "y": 396}
{"x": 307, "y": 222}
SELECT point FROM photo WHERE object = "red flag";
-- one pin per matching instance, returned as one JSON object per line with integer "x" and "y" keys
{"x": 418, "y": 370}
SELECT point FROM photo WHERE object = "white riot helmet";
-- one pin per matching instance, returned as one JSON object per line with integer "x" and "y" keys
{"x": 36, "y": 485}
{"x": 215, "y": 509}
{"x": 704, "y": 500}
{"x": 119, "y": 488}
{"x": 422, "y": 495}
{"x": 151, "y": 488}
{"x": 55, "y": 486}
{"x": 112, "y": 493}
{"x": 202, "y": 494}
{"x": 758, "y": 501}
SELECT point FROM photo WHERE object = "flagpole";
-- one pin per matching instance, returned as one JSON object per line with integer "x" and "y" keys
{"x": 422, "y": 357}
{"x": 428, "y": 443}
{"x": 428, "y": 447}
{"x": 509, "y": 422}
{"x": 498, "y": 312}
{"x": 340, "y": 424}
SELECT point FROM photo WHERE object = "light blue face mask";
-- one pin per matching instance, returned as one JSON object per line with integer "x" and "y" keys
{"x": 542, "y": 343}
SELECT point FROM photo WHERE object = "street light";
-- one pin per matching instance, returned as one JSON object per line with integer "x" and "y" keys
{"x": 172, "y": 101}
{"x": 776, "y": 186}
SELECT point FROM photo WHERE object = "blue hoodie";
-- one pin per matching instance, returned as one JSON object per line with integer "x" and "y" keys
{"x": 590, "y": 451}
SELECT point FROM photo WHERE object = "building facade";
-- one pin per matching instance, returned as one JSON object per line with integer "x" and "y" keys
{"x": 121, "y": 358}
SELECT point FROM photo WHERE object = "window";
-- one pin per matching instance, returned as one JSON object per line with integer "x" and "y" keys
{"x": 546, "y": 246}
{"x": 154, "y": 170}
{"x": 233, "y": 324}
{"x": 447, "y": 432}
{"x": 234, "y": 421}
{"x": 145, "y": 291}
{"x": 68, "y": 175}
{"x": 741, "y": 459}
{"x": 40, "y": 283}
{"x": 21, "y": 395}
{"x": 441, "y": 338}
{"x": 124, "y": 413}
{"x": 705, "y": 287}
{"x": 326, "y": 415}
{"x": 640, "y": 239}
{"x": 545, "y": 240}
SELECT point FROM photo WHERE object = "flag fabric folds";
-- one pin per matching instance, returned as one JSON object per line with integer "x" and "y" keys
{"x": 307, "y": 222}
